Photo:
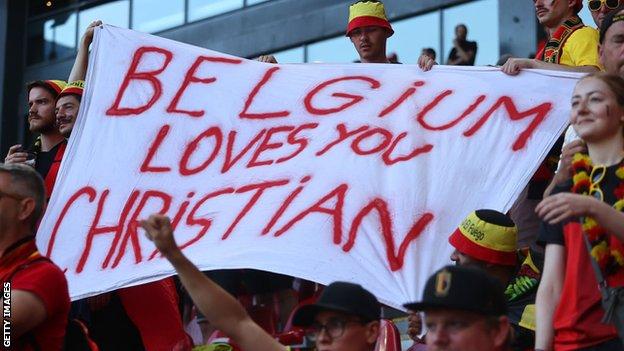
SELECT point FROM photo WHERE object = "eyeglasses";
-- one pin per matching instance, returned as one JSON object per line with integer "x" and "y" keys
{"x": 15, "y": 197}
{"x": 596, "y": 5}
{"x": 596, "y": 176}
{"x": 335, "y": 328}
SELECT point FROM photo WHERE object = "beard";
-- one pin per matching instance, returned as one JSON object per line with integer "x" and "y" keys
{"x": 42, "y": 125}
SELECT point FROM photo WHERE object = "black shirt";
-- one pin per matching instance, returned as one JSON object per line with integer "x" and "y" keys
{"x": 44, "y": 160}
{"x": 466, "y": 46}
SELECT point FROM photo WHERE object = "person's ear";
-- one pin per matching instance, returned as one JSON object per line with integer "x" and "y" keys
{"x": 26, "y": 208}
{"x": 372, "y": 332}
{"x": 502, "y": 333}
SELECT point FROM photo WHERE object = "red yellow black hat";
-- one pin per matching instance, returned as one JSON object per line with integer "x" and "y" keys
{"x": 57, "y": 85}
{"x": 368, "y": 13}
{"x": 75, "y": 87}
{"x": 487, "y": 235}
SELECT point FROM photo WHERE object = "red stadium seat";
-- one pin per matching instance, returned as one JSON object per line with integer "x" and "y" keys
{"x": 389, "y": 337}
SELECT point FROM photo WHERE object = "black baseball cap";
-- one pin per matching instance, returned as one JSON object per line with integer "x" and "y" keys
{"x": 462, "y": 288}
{"x": 343, "y": 297}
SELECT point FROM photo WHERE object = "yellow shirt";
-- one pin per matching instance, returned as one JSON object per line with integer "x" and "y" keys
{"x": 581, "y": 48}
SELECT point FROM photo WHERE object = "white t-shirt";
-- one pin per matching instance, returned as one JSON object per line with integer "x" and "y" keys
{"x": 570, "y": 136}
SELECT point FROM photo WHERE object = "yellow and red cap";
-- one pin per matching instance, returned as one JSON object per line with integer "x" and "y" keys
{"x": 488, "y": 236}
{"x": 56, "y": 85}
{"x": 75, "y": 87}
{"x": 368, "y": 13}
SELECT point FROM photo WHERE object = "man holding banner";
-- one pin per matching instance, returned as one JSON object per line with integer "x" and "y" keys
{"x": 49, "y": 147}
{"x": 571, "y": 45}
{"x": 368, "y": 30}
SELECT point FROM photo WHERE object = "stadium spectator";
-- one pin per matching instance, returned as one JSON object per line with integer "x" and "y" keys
{"x": 345, "y": 318}
{"x": 47, "y": 151}
{"x": 414, "y": 330}
{"x": 610, "y": 51}
{"x": 429, "y": 52}
{"x": 599, "y": 9}
{"x": 571, "y": 45}
{"x": 38, "y": 289}
{"x": 465, "y": 310}
{"x": 569, "y": 310}
{"x": 487, "y": 239}
{"x": 393, "y": 57}
{"x": 369, "y": 30}
{"x": 464, "y": 51}
{"x": 67, "y": 106}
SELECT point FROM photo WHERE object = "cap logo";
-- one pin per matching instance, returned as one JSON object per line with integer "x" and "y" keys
{"x": 443, "y": 283}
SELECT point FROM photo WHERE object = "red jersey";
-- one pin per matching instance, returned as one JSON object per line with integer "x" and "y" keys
{"x": 48, "y": 283}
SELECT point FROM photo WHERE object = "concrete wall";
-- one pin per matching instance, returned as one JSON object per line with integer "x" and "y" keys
{"x": 517, "y": 28}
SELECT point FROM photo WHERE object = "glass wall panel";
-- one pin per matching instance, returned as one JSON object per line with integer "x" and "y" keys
{"x": 51, "y": 38}
{"x": 586, "y": 16}
{"x": 253, "y": 2}
{"x": 116, "y": 13}
{"x": 414, "y": 34}
{"x": 155, "y": 15}
{"x": 481, "y": 18}
{"x": 294, "y": 55}
{"x": 199, "y": 9}
{"x": 335, "y": 50}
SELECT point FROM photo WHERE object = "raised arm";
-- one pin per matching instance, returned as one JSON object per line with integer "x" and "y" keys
{"x": 219, "y": 307}
{"x": 79, "y": 70}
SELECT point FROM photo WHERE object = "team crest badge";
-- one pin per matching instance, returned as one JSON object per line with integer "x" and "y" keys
{"x": 443, "y": 283}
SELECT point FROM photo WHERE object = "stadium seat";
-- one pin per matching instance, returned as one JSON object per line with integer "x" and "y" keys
{"x": 389, "y": 337}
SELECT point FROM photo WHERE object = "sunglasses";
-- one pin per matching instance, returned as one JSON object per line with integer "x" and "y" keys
{"x": 596, "y": 176}
{"x": 334, "y": 328}
{"x": 596, "y": 5}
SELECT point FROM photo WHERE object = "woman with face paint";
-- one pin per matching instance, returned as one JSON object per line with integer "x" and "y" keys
{"x": 569, "y": 310}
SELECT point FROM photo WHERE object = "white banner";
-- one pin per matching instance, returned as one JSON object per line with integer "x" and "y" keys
{"x": 353, "y": 172}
